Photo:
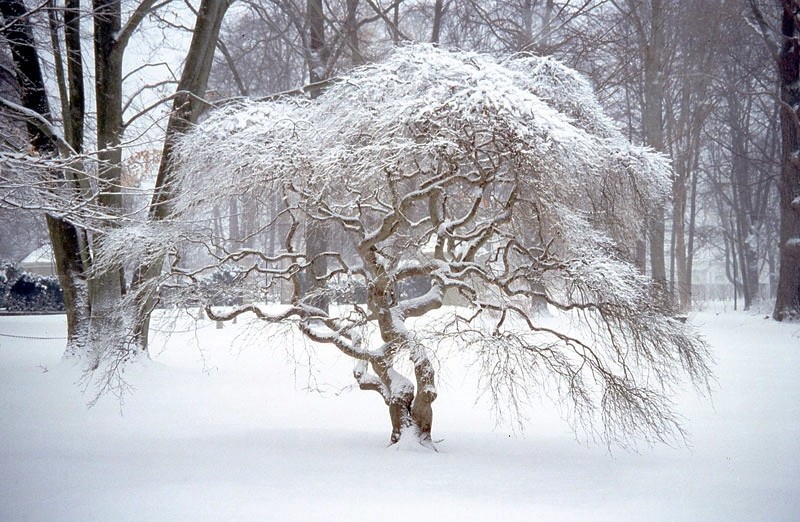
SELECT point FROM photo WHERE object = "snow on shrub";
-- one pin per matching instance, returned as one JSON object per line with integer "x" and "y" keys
{"x": 21, "y": 291}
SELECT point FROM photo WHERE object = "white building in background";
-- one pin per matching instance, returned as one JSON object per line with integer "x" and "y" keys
{"x": 40, "y": 261}
{"x": 709, "y": 280}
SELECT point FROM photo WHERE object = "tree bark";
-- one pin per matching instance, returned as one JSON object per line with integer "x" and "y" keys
{"x": 18, "y": 31}
{"x": 687, "y": 283}
{"x": 75, "y": 86}
{"x": 438, "y": 15}
{"x": 108, "y": 91}
{"x": 787, "y": 304}
{"x": 316, "y": 232}
{"x": 654, "y": 133}
{"x": 679, "y": 235}
{"x": 351, "y": 32}
{"x": 106, "y": 286}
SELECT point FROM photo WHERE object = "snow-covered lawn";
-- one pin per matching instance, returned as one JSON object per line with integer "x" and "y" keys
{"x": 221, "y": 427}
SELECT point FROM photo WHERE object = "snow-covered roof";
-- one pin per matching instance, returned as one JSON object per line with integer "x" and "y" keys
{"x": 43, "y": 254}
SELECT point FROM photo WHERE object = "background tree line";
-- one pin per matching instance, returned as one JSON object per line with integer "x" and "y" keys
{"x": 694, "y": 82}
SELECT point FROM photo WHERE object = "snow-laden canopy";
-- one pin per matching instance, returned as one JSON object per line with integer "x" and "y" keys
{"x": 423, "y": 106}
{"x": 500, "y": 183}
{"x": 527, "y": 128}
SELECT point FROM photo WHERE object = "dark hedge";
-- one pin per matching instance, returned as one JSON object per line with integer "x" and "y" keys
{"x": 22, "y": 291}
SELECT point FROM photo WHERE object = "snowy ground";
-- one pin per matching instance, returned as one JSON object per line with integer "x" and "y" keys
{"x": 220, "y": 427}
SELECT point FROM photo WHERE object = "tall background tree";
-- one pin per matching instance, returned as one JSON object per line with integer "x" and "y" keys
{"x": 786, "y": 52}
{"x": 68, "y": 240}
{"x": 92, "y": 183}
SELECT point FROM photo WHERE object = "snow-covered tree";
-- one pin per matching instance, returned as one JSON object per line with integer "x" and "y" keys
{"x": 443, "y": 178}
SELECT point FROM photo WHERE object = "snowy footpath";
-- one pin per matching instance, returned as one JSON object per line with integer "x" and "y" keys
{"x": 222, "y": 425}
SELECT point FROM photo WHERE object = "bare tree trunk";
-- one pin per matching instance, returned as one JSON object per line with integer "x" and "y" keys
{"x": 316, "y": 232}
{"x": 234, "y": 230}
{"x": 72, "y": 37}
{"x": 351, "y": 32}
{"x": 105, "y": 288}
{"x": 684, "y": 136}
{"x": 317, "y": 51}
{"x": 787, "y": 304}
{"x": 654, "y": 133}
{"x": 108, "y": 90}
{"x": 70, "y": 244}
{"x": 547, "y": 26}
{"x": 787, "y": 58}
{"x": 58, "y": 63}
{"x": 679, "y": 241}
{"x": 422, "y": 406}
{"x": 396, "y": 23}
{"x": 650, "y": 31}
{"x": 92, "y": 303}
{"x": 687, "y": 285}
{"x": 527, "y": 26}
{"x": 682, "y": 247}
{"x": 438, "y": 15}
